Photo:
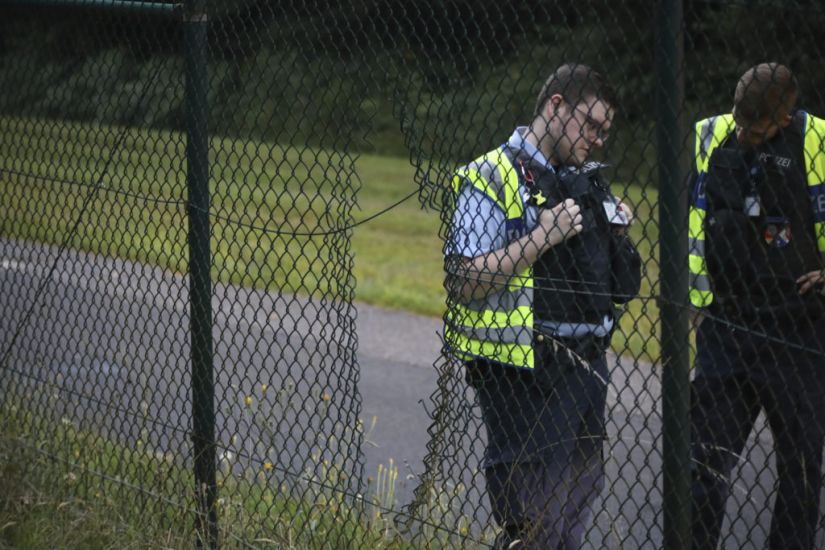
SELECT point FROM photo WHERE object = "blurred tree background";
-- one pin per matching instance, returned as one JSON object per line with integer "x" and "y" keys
{"x": 425, "y": 71}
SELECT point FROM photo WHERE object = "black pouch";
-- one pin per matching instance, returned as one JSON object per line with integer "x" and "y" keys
{"x": 728, "y": 178}
{"x": 625, "y": 269}
{"x": 733, "y": 252}
{"x": 734, "y": 257}
{"x": 554, "y": 360}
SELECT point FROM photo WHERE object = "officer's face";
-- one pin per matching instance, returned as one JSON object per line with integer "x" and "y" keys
{"x": 754, "y": 134}
{"x": 583, "y": 126}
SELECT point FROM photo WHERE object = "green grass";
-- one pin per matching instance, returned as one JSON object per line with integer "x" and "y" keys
{"x": 66, "y": 487}
{"x": 397, "y": 256}
{"x": 638, "y": 333}
{"x": 49, "y": 497}
{"x": 63, "y": 485}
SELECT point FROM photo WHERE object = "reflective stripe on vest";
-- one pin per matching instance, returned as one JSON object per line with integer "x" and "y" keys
{"x": 709, "y": 134}
{"x": 498, "y": 327}
{"x": 815, "y": 168}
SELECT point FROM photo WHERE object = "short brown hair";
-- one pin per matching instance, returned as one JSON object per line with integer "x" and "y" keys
{"x": 762, "y": 91}
{"x": 575, "y": 82}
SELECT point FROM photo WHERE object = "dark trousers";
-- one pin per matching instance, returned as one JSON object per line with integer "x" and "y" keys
{"x": 546, "y": 505}
{"x": 545, "y": 433}
{"x": 739, "y": 374}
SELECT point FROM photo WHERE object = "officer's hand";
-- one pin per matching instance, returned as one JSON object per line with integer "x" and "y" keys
{"x": 810, "y": 280}
{"x": 623, "y": 207}
{"x": 561, "y": 222}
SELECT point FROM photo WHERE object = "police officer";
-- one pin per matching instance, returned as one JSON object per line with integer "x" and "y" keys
{"x": 536, "y": 258}
{"x": 757, "y": 230}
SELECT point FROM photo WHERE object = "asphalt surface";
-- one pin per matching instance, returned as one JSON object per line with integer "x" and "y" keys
{"x": 108, "y": 341}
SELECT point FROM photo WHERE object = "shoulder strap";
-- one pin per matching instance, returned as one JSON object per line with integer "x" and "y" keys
{"x": 494, "y": 175}
{"x": 711, "y": 132}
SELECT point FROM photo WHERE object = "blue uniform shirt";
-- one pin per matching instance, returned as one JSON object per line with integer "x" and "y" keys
{"x": 476, "y": 229}
{"x": 477, "y": 220}
{"x": 524, "y": 421}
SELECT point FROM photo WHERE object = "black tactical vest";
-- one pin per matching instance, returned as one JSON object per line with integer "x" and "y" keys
{"x": 573, "y": 279}
{"x": 759, "y": 228}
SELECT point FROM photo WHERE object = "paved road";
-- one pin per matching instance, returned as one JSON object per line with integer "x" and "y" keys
{"x": 109, "y": 342}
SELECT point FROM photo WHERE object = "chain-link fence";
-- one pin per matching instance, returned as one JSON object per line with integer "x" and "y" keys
{"x": 189, "y": 194}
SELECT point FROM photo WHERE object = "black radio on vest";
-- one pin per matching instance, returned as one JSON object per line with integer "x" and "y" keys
{"x": 579, "y": 280}
{"x": 758, "y": 228}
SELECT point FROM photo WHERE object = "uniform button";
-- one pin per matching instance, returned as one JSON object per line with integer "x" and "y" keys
{"x": 540, "y": 338}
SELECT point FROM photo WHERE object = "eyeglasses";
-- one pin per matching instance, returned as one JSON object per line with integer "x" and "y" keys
{"x": 592, "y": 126}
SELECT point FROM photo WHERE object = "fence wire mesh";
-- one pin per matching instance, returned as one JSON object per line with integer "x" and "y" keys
{"x": 349, "y": 144}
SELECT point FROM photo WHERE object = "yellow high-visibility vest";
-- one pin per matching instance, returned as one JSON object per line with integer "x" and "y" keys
{"x": 711, "y": 132}
{"x": 498, "y": 327}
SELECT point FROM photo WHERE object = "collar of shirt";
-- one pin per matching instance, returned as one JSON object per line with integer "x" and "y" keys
{"x": 517, "y": 141}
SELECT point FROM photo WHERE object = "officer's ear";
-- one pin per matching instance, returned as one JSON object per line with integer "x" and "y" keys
{"x": 553, "y": 103}
{"x": 788, "y": 108}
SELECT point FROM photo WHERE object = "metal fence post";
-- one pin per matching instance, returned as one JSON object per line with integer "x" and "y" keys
{"x": 200, "y": 284}
{"x": 673, "y": 261}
